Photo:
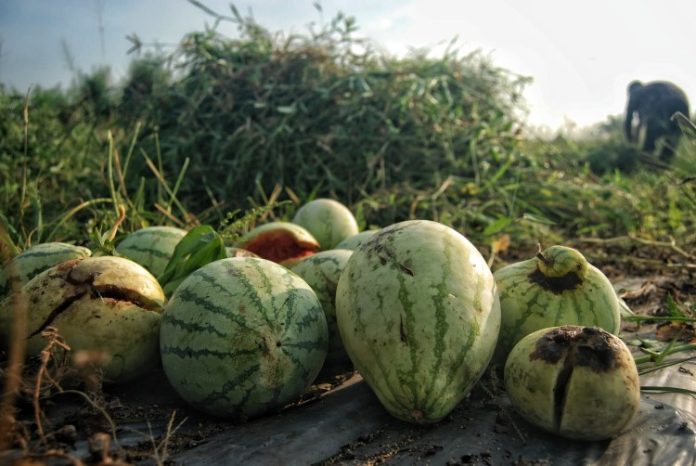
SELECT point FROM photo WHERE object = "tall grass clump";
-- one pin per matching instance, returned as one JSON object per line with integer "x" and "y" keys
{"x": 326, "y": 113}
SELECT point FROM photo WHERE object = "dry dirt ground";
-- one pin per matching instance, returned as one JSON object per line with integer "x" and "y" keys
{"x": 339, "y": 421}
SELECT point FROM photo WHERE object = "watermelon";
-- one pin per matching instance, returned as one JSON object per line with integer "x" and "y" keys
{"x": 322, "y": 271}
{"x": 34, "y": 260}
{"x": 241, "y": 336}
{"x": 281, "y": 242}
{"x": 329, "y": 221}
{"x": 558, "y": 287}
{"x": 353, "y": 242}
{"x": 577, "y": 382}
{"x": 419, "y": 316}
{"x": 238, "y": 252}
{"x": 106, "y": 305}
{"x": 151, "y": 247}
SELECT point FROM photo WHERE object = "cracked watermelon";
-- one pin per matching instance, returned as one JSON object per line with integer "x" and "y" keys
{"x": 110, "y": 306}
{"x": 242, "y": 336}
{"x": 418, "y": 313}
{"x": 557, "y": 287}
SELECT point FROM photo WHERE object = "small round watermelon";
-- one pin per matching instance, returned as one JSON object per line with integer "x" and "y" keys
{"x": 35, "y": 259}
{"x": 329, "y": 221}
{"x": 577, "y": 382}
{"x": 242, "y": 336}
{"x": 557, "y": 287}
{"x": 151, "y": 247}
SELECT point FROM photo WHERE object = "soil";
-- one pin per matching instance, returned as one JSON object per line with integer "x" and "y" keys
{"x": 339, "y": 421}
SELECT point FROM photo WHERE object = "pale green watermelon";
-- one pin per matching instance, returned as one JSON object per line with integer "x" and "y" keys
{"x": 242, "y": 336}
{"x": 151, "y": 247}
{"x": 329, "y": 221}
{"x": 35, "y": 259}
{"x": 322, "y": 271}
{"x": 558, "y": 287}
{"x": 110, "y": 306}
{"x": 353, "y": 242}
{"x": 419, "y": 316}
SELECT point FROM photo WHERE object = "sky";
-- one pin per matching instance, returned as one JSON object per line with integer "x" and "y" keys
{"x": 581, "y": 55}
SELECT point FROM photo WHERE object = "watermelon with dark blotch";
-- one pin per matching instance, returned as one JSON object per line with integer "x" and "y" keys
{"x": 151, "y": 247}
{"x": 280, "y": 242}
{"x": 242, "y": 336}
{"x": 419, "y": 316}
{"x": 577, "y": 382}
{"x": 35, "y": 259}
{"x": 557, "y": 287}
{"x": 322, "y": 271}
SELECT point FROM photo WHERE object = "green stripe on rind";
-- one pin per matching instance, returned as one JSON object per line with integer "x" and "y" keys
{"x": 151, "y": 247}
{"x": 256, "y": 330}
{"x": 415, "y": 325}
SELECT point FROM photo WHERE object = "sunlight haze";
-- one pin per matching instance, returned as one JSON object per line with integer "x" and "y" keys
{"x": 581, "y": 55}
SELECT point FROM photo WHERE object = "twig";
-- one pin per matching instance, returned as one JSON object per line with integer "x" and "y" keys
{"x": 54, "y": 340}
{"x": 161, "y": 450}
{"x": 671, "y": 244}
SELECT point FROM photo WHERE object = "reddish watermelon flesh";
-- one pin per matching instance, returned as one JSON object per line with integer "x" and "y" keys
{"x": 278, "y": 246}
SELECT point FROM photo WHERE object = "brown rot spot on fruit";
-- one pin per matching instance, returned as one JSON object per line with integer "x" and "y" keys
{"x": 575, "y": 346}
{"x": 581, "y": 346}
{"x": 553, "y": 346}
{"x": 556, "y": 285}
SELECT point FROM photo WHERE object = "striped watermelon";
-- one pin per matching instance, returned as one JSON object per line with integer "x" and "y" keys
{"x": 322, "y": 271}
{"x": 419, "y": 316}
{"x": 353, "y": 242}
{"x": 241, "y": 336}
{"x": 34, "y": 260}
{"x": 558, "y": 287}
{"x": 107, "y": 305}
{"x": 151, "y": 247}
{"x": 578, "y": 382}
{"x": 329, "y": 221}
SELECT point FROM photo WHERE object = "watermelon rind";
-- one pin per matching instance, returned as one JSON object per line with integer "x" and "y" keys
{"x": 106, "y": 306}
{"x": 151, "y": 247}
{"x": 35, "y": 259}
{"x": 322, "y": 272}
{"x": 561, "y": 289}
{"x": 329, "y": 221}
{"x": 242, "y": 336}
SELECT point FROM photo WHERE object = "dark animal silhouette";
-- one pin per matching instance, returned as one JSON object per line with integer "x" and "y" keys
{"x": 653, "y": 105}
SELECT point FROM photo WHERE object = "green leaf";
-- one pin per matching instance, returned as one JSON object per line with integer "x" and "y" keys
{"x": 202, "y": 245}
{"x": 498, "y": 225}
